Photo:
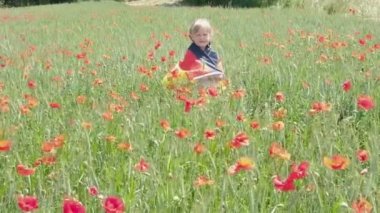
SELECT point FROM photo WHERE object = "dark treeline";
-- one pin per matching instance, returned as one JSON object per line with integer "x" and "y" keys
{"x": 231, "y": 3}
{"x": 19, "y": 3}
{"x": 222, "y": 3}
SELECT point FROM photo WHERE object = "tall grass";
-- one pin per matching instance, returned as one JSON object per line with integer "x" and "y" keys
{"x": 42, "y": 44}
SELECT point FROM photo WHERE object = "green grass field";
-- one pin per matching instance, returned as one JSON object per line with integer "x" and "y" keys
{"x": 77, "y": 87}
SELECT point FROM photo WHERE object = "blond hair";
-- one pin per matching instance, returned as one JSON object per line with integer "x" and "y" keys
{"x": 200, "y": 23}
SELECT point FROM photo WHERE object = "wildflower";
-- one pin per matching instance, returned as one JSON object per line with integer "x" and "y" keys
{"x": 32, "y": 84}
{"x": 362, "y": 42}
{"x": 241, "y": 139}
{"x": 172, "y": 53}
{"x": 278, "y": 126}
{"x": 86, "y": 125}
{"x": 365, "y": 102}
{"x": 110, "y": 138}
{"x": 318, "y": 107}
{"x": 280, "y": 113}
{"x": 24, "y": 171}
{"x": 240, "y": 117}
{"x": 276, "y": 150}
{"x": 157, "y": 45}
{"x": 283, "y": 185}
{"x": 142, "y": 166}
{"x": 361, "y": 206}
{"x": 45, "y": 160}
{"x": 55, "y": 105}
{"x": 297, "y": 172}
{"x": 212, "y": 91}
{"x": 336, "y": 162}
{"x": 134, "y": 96}
{"x": 81, "y": 99}
{"x": 165, "y": 125}
{"x": 255, "y": 125}
{"x": 243, "y": 163}
{"x": 280, "y": 97}
{"x": 203, "y": 181}
{"x": 238, "y": 94}
{"x": 144, "y": 88}
{"x": 113, "y": 204}
{"x": 71, "y": 205}
{"x": 5, "y": 145}
{"x": 199, "y": 148}
{"x": 220, "y": 123}
{"x": 93, "y": 191}
{"x": 182, "y": 133}
{"x": 108, "y": 116}
{"x": 209, "y": 134}
{"x": 362, "y": 155}
{"x": 300, "y": 171}
{"x": 27, "y": 203}
{"x": 125, "y": 146}
{"x": 347, "y": 85}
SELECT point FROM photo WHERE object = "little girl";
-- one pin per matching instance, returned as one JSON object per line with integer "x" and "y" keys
{"x": 201, "y": 63}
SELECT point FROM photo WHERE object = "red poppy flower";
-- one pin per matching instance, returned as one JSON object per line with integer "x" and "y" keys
{"x": 81, "y": 55}
{"x": 93, "y": 191}
{"x": 5, "y": 145}
{"x": 240, "y": 117}
{"x": 255, "y": 125}
{"x": 361, "y": 206}
{"x": 24, "y": 171}
{"x": 32, "y": 84}
{"x": 365, "y": 102}
{"x": 241, "y": 139}
{"x": 157, "y": 45}
{"x": 113, "y": 204}
{"x": 280, "y": 97}
{"x": 71, "y": 205}
{"x": 212, "y": 91}
{"x": 144, "y": 88}
{"x": 347, "y": 85}
{"x": 199, "y": 148}
{"x": 188, "y": 105}
{"x": 209, "y": 134}
{"x": 182, "y": 133}
{"x": 55, "y": 105}
{"x": 283, "y": 185}
{"x": 142, "y": 166}
{"x": 27, "y": 203}
{"x": 171, "y": 53}
{"x": 300, "y": 171}
{"x": 362, "y": 155}
{"x": 362, "y": 42}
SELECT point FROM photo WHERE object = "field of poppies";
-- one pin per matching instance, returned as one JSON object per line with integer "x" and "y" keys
{"x": 86, "y": 124}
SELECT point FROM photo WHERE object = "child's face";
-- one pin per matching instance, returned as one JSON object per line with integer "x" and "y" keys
{"x": 201, "y": 38}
